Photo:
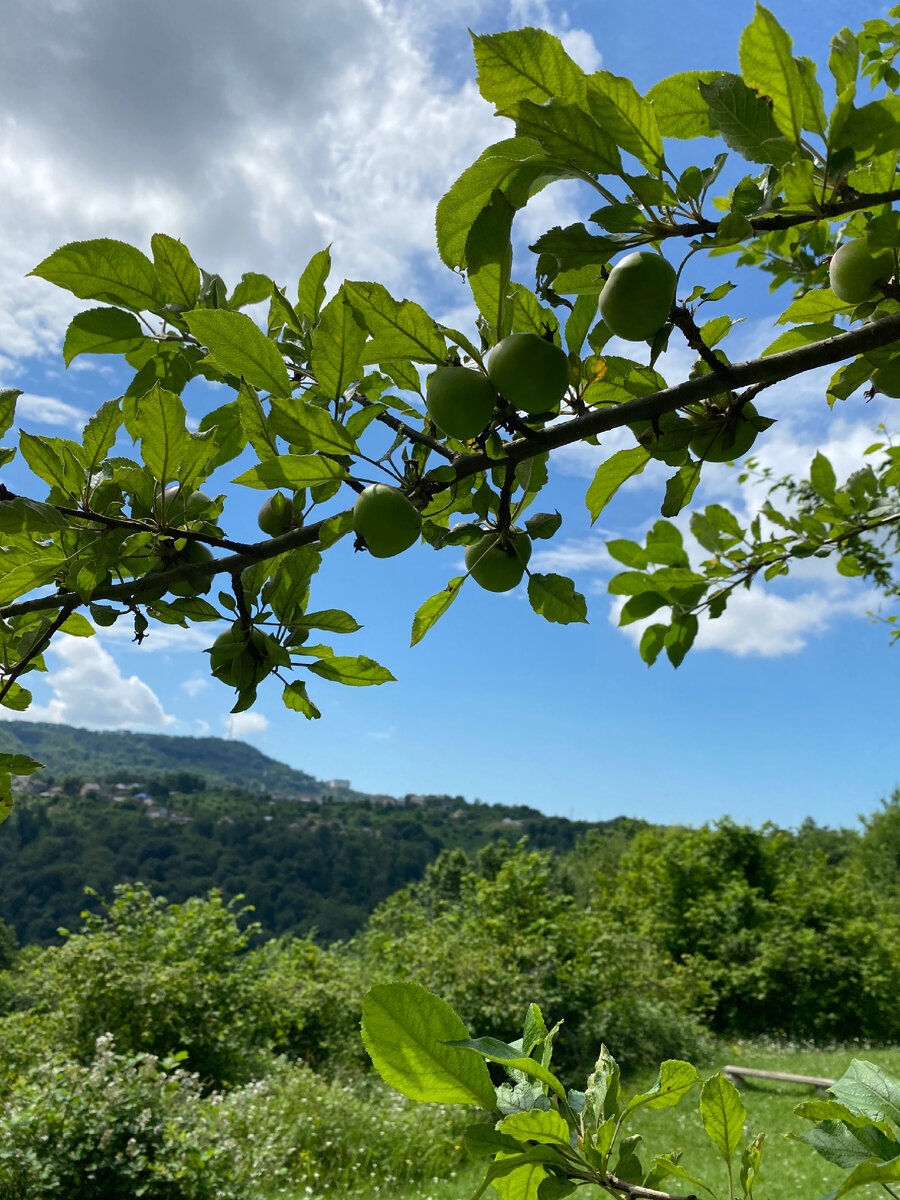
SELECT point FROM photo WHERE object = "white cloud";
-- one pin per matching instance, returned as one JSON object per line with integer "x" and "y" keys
{"x": 49, "y": 411}
{"x": 245, "y": 724}
{"x": 763, "y": 624}
{"x": 90, "y": 691}
{"x": 570, "y": 556}
{"x": 195, "y": 686}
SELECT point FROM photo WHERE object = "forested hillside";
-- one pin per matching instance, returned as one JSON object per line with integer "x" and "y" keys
{"x": 129, "y": 807}
{"x": 121, "y": 756}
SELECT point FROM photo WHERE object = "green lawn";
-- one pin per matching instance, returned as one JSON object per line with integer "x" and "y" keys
{"x": 790, "y": 1170}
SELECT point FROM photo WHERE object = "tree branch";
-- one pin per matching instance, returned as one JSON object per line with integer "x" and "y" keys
{"x": 38, "y": 648}
{"x": 773, "y": 369}
{"x": 778, "y": 221}
{"x": 635, "y": 1189}
{"x": 414, "y": 435}
{"x": 761, "y": 371}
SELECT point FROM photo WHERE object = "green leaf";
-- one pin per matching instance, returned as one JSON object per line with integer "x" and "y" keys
{"x": 399, "y": 328}
{"x": 178, "y": 274}
{"x": 543, "y": 525}
{"x": 574, "y": 249}
{"x": 311, "y": 287}
{"x": 680, "y": 489}
{"x": 641, "y": 606}
{"x": 434, "y": 608}
{"x": 99, "y": 435}
{"x": 653, "y": 640}
{"x": 674, "y": 1081}
{"x": 680, "y": 637}
{"x": 292, "y": 471}
{"x": 8, "y": 398}
{"x": 555, "y": 598}
{"x": 337, "y": 344}
{"x": 816, "y": 306}
{"x": 579, "y": 322}
{"x": 822, "y": 476}
{"x": 681, "y": 111}
{"x": 308, "y": 427}
{"x": 353, "y": 672}
{"x": 848, "y": 1143}
{"x": 814, "y": 118}
{"x": 489, "y": 255}
{"x": 169, "y": 451}
{"x": 22, "y": 515}
{"x": 801, "y": 335}
{"x": 870, "y": 1171}
{"x": 107, "y": 270}
{"x": 54, "y": 460}
{"x": 546, "y": 1127}
{"x": 228, "y": 433}
{"x": 723, "y": 1114}
{"x": 567, "y": 133}
{"x": 332, "y": 620}
{"x": 611, "y": 475}
{"x": 525, "y": 64}
{"x": 745, "y": 121}
{"x": 869, "y": 1089}
{"x": 511, "y": 1057}
{"x": 237, "y": 345}
{"x": 517, "y": 166}
{"x": 102, "y": 331}
{"x": 631, "y": 120}
{"x": 252, "y": 289}
{"x": 872, "y": 130}
{"x": 843, "y": 61}
{"x": 295, "y": 698}
{"x": 768, "y": 66}
{"x": 407, "y": 1032}
{"x": 27, "y": 576}
{"x": 254, "y": 423}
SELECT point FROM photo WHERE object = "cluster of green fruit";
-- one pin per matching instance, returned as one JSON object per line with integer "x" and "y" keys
{"x": 388, "y": 523}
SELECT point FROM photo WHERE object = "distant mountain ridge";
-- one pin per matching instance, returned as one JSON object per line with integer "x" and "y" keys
{"x": 66, "y": 750}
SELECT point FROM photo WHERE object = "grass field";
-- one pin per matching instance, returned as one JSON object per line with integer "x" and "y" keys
{"x": 790, "y": 1170}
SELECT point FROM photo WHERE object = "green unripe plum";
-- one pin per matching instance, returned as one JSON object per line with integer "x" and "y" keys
{"x": 723, "y": 436}
{"x": 529, "y": 372}
{"x": 183, "y": 504}
{"x": 193, "y": 552}
{"x": 276, "y": 515}
{"x": 241, "y": 661}
{"x": 886, "y": 379}
{"x": 497, "y": 562}
{"x": 855, "y": 270}
{"x": 386, "y": 520}
{"x": 638, "y": 295}
{"x": 460, "y": 401}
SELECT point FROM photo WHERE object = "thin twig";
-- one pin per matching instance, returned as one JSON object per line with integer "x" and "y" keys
{"x": 37, "y": 649}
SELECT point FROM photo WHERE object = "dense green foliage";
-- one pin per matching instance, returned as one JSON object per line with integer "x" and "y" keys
{"x": 304, "y": 865}
{"x": 189, "y": 1038}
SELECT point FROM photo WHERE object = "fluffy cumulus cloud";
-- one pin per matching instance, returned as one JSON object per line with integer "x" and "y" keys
{"x": 762, "y": 624}
{"x": 245, "y": 724}
{"x": 90, "y": 691}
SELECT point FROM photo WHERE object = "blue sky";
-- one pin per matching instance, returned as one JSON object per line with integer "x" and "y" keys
{"x": 258, "y": 134}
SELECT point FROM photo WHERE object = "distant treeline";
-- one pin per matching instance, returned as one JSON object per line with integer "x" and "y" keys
{"x": 303, "y": 866}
